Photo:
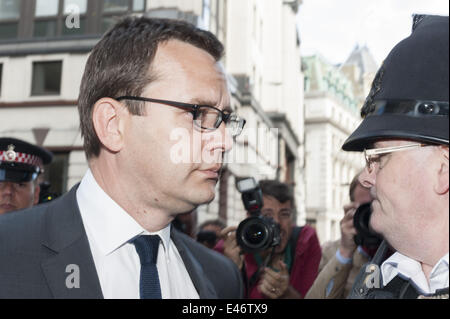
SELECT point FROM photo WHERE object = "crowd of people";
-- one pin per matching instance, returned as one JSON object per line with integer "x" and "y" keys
{"x": 121, "y": 225}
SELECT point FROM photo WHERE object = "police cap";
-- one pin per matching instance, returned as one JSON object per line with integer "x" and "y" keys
{"x": 21, "y": 161}
{"x": 409, "y": 95}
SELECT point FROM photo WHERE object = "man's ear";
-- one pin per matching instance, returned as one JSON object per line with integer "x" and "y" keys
{"x": 108, "y": 118}
{"x": 37, "y": 192}
{"x": 442, "y": 186}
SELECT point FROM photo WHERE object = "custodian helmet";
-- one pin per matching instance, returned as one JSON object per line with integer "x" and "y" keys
{"x": 409, "y": 95}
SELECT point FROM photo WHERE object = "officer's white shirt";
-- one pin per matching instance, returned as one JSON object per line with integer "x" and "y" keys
{"x": 109, "y": 230}
{"x": 409, "y": 268}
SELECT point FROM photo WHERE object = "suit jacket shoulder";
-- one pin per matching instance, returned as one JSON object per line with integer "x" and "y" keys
{"x": 45, "y": 253}
{"x": 213, "y": 275}
{"x": 19, "y": 245}
{"x": 41, "y": 247}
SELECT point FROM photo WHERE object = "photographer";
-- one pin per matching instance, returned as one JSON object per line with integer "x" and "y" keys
{"x": 292, "y": 265}
{"x": 342, "y": 259}
{"x": 209, "y": 232}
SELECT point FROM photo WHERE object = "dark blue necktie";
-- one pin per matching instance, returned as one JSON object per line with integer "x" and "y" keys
{"x": 147, "y": 249}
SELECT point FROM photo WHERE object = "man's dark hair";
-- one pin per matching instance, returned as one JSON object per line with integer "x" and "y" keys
{"x": 119, "y": 65}
{"x": 282, "y": 192}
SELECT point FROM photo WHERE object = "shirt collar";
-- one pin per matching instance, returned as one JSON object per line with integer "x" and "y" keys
{"x": 399, "y": 264}
{"x": 112, "y": 227}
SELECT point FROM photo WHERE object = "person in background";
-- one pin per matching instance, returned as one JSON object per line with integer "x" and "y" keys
{"x": 342, "y": 259}
{"x": 209, "y": 232}
{"x": 186, "y": 223}
{"x": 21, "y": 165}
{"x": 293, "y": 266}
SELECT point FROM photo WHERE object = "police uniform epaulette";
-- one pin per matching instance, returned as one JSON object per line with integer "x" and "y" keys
{"x": 400, "y": 288}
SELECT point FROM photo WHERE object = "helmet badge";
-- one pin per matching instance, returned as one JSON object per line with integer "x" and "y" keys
{"x": 10, "y": 154}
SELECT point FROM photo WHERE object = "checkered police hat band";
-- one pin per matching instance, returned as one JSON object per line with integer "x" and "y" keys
{"x": 17, "y": 157}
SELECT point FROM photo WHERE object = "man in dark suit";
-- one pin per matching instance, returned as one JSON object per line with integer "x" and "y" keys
{"x": 156, "y": 120}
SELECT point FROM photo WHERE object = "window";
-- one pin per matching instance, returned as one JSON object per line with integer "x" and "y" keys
{"x": 59, "y": 17}
{"x": 46, "y": 12}
{"x": 138, "y": 5}
{"x": 9, "y": 18}
{"x": 46, "y": 8}
{"x": 75, "y": 6}
{"x": 74, "y": 17}
{"x": 117, "y": 8}
{"x": 206, "y": 14}
{"x": 46, "y": 78}
{"x": 47, "y": 19}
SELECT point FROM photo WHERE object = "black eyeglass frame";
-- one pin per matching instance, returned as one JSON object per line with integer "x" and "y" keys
{"x": 224, "y": 116}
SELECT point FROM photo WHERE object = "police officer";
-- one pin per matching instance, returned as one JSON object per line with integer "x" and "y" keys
{"x": 20, "y": 165}
{"x": 405, "y": 140}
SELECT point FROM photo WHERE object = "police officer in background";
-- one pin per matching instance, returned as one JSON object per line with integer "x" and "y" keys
{"x": 21, "y": 163}
{"x": 405, "y": 140}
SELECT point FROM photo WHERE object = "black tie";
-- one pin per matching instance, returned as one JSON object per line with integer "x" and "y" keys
{"x": 147, "y": 249}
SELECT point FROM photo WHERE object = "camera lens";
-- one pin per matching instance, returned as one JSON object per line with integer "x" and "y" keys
{"x": 254, "y": 234}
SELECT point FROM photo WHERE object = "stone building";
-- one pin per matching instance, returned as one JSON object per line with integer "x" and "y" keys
{"x": 333, "y": 98}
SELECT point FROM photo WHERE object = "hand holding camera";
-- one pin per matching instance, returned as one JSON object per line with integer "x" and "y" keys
{"x": 347, "y": 245}
{"x": 230, "y": 247}
{"x": 274, "y": 284}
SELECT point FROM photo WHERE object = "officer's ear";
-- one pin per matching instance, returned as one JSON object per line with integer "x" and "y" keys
{"x": 442, "y": 187}
{"x": 37, "y": 192}
{"x": 107, "y": 117}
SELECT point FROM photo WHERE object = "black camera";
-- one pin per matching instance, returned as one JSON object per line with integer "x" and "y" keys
{"x": 256, "y": 233}
{"x": 365, "y": 236}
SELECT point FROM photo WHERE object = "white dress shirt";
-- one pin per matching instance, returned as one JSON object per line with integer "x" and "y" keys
{"x": 110, "y": 230}
{"x": 409, "y": 268}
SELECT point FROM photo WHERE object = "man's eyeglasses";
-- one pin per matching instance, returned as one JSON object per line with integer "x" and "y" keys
{"x": 205, "y": 116}
{"x": 372, "y": 156}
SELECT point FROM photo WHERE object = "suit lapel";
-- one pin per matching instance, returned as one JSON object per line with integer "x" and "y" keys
{"x": 70, "y": 270}
{"x": 201, "y": 283}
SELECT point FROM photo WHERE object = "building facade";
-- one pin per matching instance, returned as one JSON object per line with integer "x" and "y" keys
{"x": 333, "y": 97}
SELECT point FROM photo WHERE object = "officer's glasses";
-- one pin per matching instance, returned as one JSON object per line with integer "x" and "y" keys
{"x": 205, "y": 116}
{"x": 373, "y": 155}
